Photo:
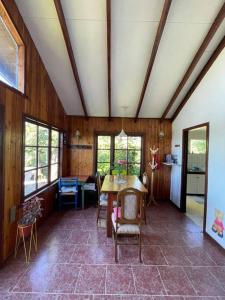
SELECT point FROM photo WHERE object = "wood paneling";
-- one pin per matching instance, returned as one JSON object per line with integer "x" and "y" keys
{"x": 82, "y": 161}
{"x": 42, "y": 103}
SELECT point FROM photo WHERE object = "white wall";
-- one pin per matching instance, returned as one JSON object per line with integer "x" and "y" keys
{"x": 207, "y": 104}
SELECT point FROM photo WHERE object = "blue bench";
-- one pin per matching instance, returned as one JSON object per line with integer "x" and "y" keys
{"x": 68, "y": 186}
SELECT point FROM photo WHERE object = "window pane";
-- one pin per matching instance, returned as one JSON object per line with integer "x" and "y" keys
{"x": 43, "y": 134}
{"x": 134, "y": 169}
{"x": 30, "y": 182}
{"x": 134, "y": 142}
{"x": 104, "y": 142}
{"x": 198, "y": 146}
{"x": 120, "y": 154}
{"x": 42, "y": 177}
{"x": 103, "y": 168}
{"x": 42, "y": 157}
{"x": 30, "y": 158}
{"x": 8, "y": 56}
{"x": 134, "y": 156}
{"x": 54, "y": 172}
{"x": 103, "y": 155}
{"x": 30, "y": 134}
{"x": 55, "y": 138}
{"x": 120, "y": 143}
{"x": 54, "y": 155}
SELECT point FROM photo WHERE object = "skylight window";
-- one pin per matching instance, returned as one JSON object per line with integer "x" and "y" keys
{"x": 11, "y": 53}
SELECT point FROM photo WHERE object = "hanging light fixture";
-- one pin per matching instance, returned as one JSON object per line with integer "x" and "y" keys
{"x": 122, "y": 133}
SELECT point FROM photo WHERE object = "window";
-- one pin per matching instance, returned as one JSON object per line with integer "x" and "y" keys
{"x": 198, "y": 146}
{"x": 41, "y": 156}
{"x": 111, "y": 148}
{"x": 12, "y": 53}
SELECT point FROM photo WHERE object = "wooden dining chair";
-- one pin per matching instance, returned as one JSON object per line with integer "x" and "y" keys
{"x": 102, "y": 198}
{"x": 145, "y": 181}
{"x": 127, "y": 217}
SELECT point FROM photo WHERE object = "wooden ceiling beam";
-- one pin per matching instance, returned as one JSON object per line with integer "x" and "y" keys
{"x": 66, "y": 36}
{"x": 202, "y": 74}
{"x": 108, "y": 13}
{"x": 159, "y": 33}
{"x": 213, "y": 29}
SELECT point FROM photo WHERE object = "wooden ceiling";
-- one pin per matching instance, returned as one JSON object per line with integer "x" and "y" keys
{"x": 148, "y": 55}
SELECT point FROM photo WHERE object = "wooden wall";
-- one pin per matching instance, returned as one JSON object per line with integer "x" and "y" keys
{"x": 81, "y": 160}
{"x": 42, "y": 103}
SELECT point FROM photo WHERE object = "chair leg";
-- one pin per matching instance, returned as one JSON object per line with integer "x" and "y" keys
{"x": 145, "y": 210}
{"x": 116, "y": 250}
{"x": 98, "y": 213}
{"x": 140, "y": 259}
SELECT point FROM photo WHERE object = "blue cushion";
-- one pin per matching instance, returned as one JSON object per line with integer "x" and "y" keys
{"x": 68, "y": 189}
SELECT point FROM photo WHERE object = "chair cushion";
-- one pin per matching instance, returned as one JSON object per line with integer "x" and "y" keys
{"x": 104, "y": 199}
{"x": 68, "y": 189}
{"x": 125, "y": 228}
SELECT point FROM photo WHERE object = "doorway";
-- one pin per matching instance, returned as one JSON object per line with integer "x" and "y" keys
{"x": 1, "y": 181}
{"x": 195, "y": 173}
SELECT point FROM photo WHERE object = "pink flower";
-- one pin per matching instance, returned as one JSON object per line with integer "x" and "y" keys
{"x": 121, "y": 161}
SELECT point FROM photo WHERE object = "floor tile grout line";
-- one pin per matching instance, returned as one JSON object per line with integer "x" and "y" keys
{"x": 78, "y": 276}
{"x": 126, "y": 295}
{"x": 162, "y": 281}
{"x": 135, "y": 287}
{"x": 216, "y": 279}
{"x": 196, "y": 292}
{"x": 106, "y": 269}
{"x": 160, "y": 247}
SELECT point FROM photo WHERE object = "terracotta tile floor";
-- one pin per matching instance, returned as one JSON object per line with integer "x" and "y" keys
{"x": 75, "y": 260}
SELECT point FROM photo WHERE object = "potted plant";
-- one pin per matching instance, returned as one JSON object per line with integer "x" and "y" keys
{"x": 31, "y": 211}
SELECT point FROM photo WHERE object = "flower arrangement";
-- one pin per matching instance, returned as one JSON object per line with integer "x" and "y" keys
{"x": 31, "y": 211}
{"x": 119, "y": 166}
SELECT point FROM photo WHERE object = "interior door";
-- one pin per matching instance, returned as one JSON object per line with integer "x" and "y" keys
{"x": 1, "y": 180}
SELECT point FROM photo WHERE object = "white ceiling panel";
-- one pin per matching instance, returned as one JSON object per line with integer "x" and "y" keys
{"x": 49, "y": 41}
{"x": 84, "y": 9}
{"x": 194, "y": 11}
{"x": 129, "y": 57}
{"x": 133, "y": 29}
{"x": 179, "y": 43}
{"x": 137, "y": 10}
{"x": 89, "y": 44}
{"x": 37, "y": 9}
{"x": 177, "y": 48}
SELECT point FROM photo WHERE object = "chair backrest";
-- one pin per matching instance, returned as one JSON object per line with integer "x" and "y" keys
{"x": 67, "y": 182}
{"x": 131, "y": 202}
{"x": 145, "y": 179}
{"x": 98, "y": 183}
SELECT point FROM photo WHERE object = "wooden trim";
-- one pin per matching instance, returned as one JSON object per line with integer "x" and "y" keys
{"x": 202, "y": 74}
{"x": 108, "y": 13}
{"x": 21, "y": 47}
{"x": 37, "y": 122}
{"x": 66, "y": 36}
{"x": 184, "y": 169}
{"x": 112, "y": 135}
{"x": 213, "y": 29}
{"x": 1, "y": 180}
{"x": 159, "y": 33}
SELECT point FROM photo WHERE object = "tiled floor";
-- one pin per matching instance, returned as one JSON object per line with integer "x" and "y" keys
{"x": 75, "y": 260}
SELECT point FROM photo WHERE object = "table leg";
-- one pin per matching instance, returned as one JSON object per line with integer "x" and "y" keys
{"x": 111, "y": 197}
{"x": 82, "y": 191}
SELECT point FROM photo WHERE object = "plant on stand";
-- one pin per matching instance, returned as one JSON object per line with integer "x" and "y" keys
{"x": 26, "y": 225}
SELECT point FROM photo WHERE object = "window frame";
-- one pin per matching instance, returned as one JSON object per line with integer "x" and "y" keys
{"x": 112, "y": 147}
{"x": 13, "y": 30}
{"x": 60, "y": 151}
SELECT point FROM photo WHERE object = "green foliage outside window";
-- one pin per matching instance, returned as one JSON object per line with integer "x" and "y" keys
{"x": 128, "y": 149}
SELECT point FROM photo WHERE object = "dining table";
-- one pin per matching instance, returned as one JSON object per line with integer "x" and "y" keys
{"x": 112, "y": 185}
